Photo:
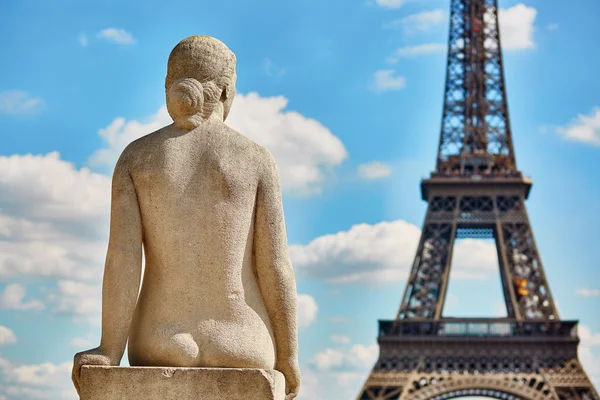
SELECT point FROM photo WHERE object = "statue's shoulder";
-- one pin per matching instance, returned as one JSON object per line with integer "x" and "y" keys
{"x": 140, "y": 148}
{"x": 258, "y": 154}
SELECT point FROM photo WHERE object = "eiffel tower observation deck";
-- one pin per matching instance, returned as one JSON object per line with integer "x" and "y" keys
{"x": 477, "y": 191}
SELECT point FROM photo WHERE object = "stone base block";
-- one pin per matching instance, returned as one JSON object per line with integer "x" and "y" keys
{"x": 161, "y": 383}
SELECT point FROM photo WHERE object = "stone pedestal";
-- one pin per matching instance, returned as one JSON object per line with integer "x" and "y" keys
{"x": 162, "y": 383}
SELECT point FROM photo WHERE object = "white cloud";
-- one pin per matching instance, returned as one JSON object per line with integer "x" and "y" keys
{"x": 19, "y": 102}
{"x": 310, "y": 385}
{"x": 588, "y": 338}
{"x": 374, "y": 170}
{"x": 54, "y": 252}
{"x": 585, "y": 129}
{"x": 7, "y": 336}
{"x": 81, "y": 342}
{"x": 88, "y": 341}
{"x": 38, "y": 381}
{"x": 307, "y": 310}
{"x": 364, "y": 254}
{"x": 79, "y": 299}
{"x": 119, "y": 36}
{"x": 421, "y": 22}
{"x": 588, "y": 292}
{"x": 331, "y": 384}
{"x": 53, "y": 224}
{"x": 339, "y": 339}
{"x": 337, "y": 373}
{"x": 356, "y": 357}
{"x": 474, "y": 259}
{"x": 46, "y": 188}
{"x": 390, "y": 3}
{"x": 328, "y": 359}
{"x": 54, "y": 218}
{"x": 12, "y": 299}
{"x": 40, "y": 375}
{"x": 351, "y": 381}
{"x": 588, "y": 353}
{"x": 415, "y": 51}
{"x": 361, "y": 356}
{"x": 119, "y": 133}
{"x": 303, "y": 148}
{"x": 383, "y": 253}
{"x": 83, "y": 40}
{"x": 384, "y": 80}
{"x": 516, "y": 27}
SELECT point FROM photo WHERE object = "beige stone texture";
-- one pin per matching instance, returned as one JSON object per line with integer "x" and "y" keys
{"x": 203, "y": 202}
{"x": 156, "y": 383}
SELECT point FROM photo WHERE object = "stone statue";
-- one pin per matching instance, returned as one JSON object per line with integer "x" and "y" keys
{"x": 218, "y": 288}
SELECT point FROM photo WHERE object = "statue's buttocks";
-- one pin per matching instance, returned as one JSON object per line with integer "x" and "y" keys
{"x": 199, "y": 281}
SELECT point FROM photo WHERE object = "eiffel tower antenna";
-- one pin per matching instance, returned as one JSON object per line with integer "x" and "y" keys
{"x": 476, "y": 191}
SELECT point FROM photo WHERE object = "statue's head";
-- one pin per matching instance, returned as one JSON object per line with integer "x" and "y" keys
{"x": 200, "y": 80}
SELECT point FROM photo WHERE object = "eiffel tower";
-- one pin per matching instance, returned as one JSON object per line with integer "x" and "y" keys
{"x": 476, "y": 191}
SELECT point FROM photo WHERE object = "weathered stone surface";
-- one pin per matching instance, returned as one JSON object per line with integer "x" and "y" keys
{"x": 156, "y": 383}
{"x": 204, "y": 203}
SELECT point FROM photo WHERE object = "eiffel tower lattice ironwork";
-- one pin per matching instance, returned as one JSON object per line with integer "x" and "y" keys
{"x": 477, "y": 191}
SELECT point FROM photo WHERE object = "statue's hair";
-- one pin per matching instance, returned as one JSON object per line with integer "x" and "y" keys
{"x": 200, "y": 73}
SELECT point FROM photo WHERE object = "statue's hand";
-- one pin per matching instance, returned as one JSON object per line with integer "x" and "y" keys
{"x": 291, "y": 372}
{"x": 89, "y": 357}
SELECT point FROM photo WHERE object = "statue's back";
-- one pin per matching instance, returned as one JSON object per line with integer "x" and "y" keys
{"x": 197, "y": 196}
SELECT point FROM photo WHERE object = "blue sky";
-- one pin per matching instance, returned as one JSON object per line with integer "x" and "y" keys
{"x": 348, "y": 96}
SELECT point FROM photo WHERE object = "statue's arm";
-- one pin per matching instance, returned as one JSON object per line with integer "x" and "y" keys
{"x": 123, "y": 267}
{"x": 122, "y": 274}
{"x": 275, "y": 272}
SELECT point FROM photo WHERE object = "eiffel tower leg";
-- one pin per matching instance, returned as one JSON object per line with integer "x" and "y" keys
{"x": 426, "y": 288}
{"x": 443, "y": 285}
{"x": 524, "y": 280}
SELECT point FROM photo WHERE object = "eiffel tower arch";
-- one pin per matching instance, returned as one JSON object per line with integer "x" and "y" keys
{"x": 477, "y": 191}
